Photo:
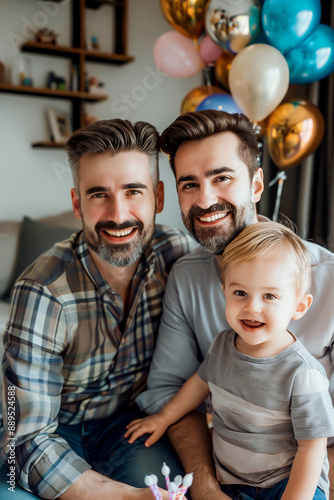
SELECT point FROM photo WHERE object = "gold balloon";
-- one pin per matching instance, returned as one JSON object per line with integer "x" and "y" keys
{"x": 262, "y": 127}
{"x": 185, "y": 16}
{"x": 295, "y": 130}
{"x": 197, "y": 95}
{"x": 233, "y": 24}
{"x": 222, "y": 68}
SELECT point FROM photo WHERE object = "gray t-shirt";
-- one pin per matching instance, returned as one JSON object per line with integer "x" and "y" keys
{"x": 194, "y": 313}
{"x": 261, "y": 406}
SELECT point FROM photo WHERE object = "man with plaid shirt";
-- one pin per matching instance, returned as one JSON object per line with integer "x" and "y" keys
{"x": 83, "y": 323}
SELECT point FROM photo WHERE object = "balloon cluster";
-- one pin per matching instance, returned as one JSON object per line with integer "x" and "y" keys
{"x": 256, "y": 48}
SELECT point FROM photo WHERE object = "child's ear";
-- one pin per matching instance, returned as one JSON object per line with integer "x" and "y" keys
{"x": 303, "y": 306}
{"x": 223, "y": 288}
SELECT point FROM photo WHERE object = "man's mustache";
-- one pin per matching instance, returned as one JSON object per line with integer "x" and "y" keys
{"x": 197, "y": 211}
{"x": 110, "y": 225}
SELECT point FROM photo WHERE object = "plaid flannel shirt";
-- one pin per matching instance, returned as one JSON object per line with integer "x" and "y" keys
{"x": 65, "y": 357}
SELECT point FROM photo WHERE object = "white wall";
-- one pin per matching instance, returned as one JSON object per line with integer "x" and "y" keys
{"x": 37, "y": 182}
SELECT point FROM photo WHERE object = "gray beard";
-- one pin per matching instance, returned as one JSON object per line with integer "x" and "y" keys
{"x": 123, "y": 254}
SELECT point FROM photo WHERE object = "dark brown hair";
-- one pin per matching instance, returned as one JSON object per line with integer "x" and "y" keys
{"x": 198, "y": 125}
{"x": 114, "y": 136}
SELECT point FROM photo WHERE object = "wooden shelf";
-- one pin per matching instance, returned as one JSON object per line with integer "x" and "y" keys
{"x": 49, "y": 145}
{"x": 96, "y": 4}
{"x": 79, "y": 56}
{"x": 74, "y": 52}
{"x": 51, "y": 49}
{"x": 107, "y": 57}
{"x": 45, "y": 92}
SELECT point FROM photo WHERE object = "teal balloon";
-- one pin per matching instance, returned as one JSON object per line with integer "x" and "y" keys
{"x": 287, "y": 23}
{"x": 313, "y": 59}
{"x": 261, "y": 37}
{"x": 220, "y": 102}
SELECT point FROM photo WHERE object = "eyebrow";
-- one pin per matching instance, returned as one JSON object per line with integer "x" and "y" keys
{"x": 105, "y": 189}
{"x": 240, "y": 285}
{"x": 208, "y": 173}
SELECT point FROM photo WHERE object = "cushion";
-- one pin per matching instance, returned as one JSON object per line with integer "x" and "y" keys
{"x": 9, "y": 235}
{"x": 35, "y": 238}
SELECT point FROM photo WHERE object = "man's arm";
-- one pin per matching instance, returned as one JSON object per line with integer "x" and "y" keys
{"x": 32, "y": 367}
{"x": 177, "y": 354}
{"x": 94, "y": 486}
{"x": 192, "y": 441}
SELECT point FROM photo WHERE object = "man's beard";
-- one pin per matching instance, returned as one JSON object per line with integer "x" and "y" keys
{"x": 216, "y": 238}
{"x": 120, "y": 254}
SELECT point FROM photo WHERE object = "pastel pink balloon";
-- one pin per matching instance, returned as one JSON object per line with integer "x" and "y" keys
{"x": 176, "y": 55}
{"x": 209, "y": 50}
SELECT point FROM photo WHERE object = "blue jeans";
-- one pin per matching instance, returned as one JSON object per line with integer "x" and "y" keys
{"x": 102, "y": 445}
{"x": 242, "y": 492}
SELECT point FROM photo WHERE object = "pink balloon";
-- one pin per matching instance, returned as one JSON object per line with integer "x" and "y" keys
{"x": 176, "y": 55}
{"x": 209, "y": 50}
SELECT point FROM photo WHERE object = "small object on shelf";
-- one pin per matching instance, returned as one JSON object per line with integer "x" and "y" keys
{"x": 25, "y": 77}
{"x": 55, "y": 82}
{"x": 59, "y": 125}
{"x": 2, "y": 72}
{"x": 74, "y": 78}
{"x": 27, "y": 81}
{"x": 94, "y": 43}
{"x": 46, "y": 36}
{"x": 94, "y": 86}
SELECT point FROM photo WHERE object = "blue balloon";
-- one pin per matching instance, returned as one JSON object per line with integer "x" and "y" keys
{"x": 287, "y": 23}
{"x": 220, "y": 102}
{"x": 313, "y": 59}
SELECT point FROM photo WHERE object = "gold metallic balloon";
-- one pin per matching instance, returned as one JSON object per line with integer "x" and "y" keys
{"x": 233, "y": 24}
{"x": 262, "y": 127}
{"x": 222, "y": 68}
{"x": 295, "y": 130}
{"x": 197, "y": 95}
{"x": 185, "y": 16}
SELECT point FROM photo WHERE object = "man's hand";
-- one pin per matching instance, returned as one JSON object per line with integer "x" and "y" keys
{"x": 155, "y": 425}
{"x": 94, "y": 486}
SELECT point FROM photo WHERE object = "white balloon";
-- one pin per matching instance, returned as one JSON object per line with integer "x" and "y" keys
{"x": 258, "y": 80}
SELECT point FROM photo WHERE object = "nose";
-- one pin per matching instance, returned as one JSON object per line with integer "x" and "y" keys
{"x": 116, "y": 209}
{"x": 253, "y": 305}
{"x": 207, "y": 196}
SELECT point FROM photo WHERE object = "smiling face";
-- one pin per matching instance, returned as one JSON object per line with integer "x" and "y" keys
{"x": 217, "y": 197}
{"x": 261, "y": 298}
{"x": 117, "y": 205}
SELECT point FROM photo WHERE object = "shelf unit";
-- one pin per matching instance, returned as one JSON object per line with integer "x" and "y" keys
{"x": 79, "y": 55}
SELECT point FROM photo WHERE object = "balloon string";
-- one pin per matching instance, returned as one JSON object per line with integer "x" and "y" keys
{"x": 207, "y": 78}
{"x": 280, "y": 177}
